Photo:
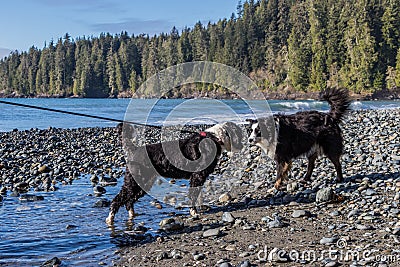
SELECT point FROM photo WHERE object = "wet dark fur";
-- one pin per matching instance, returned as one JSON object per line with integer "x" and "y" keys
{"x": 145, "y": 163}
{"x": 309, "y": 133}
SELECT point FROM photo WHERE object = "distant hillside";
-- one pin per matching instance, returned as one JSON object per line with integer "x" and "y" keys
{"x": 285, "y": 46}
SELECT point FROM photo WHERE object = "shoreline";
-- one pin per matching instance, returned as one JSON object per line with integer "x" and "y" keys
{"x": 234, "y": 230}
{"x": 252, "y": 227}
{"x": 272, "y": 95}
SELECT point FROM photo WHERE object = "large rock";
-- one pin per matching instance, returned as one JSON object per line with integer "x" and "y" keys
{"x": 325, "y": 195}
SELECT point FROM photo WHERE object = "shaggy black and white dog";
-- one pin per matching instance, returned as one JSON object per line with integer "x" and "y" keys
{"x": 193, "y": 158}
{"x": 307, "y": 133}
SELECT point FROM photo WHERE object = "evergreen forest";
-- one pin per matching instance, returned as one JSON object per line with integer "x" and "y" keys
{"x": 283, "y": 45}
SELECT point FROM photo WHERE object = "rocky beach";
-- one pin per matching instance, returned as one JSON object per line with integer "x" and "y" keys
{"x": 243, "y": 221}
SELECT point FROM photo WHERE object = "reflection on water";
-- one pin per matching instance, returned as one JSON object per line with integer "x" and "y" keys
{"x": 66, "y": 225}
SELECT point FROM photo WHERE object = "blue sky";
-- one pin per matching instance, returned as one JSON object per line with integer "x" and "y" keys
{"x": 24, "y": 23}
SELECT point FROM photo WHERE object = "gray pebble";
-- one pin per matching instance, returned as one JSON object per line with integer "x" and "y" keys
{"x": 228, "y": 217}
{"x": 328, "y": 240}
{"x": 301, "y": 213}
{"x": 199, "y": 257}
{"x": 244, "y": 264}
{"x": 212, "y": 232}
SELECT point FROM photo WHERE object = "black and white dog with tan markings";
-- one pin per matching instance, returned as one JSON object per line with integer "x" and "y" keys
{"x": 193, "y": 158}
{"x": 307, "y": 133}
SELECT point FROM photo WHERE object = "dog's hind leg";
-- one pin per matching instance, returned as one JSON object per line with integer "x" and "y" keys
{"x": 196, "y": 182}
{"x": 283, "y": 169}
{"x": 117, "y": 202}
{"x": 333, "y": 149}
{"x": 338, "y": 167}
{"x": 128, "y": 195}
{"x": 311, "y": 165}
{"x": 136, "y": 193}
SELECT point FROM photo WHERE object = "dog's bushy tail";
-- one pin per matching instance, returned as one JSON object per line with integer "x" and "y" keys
{"x": 339, "y": 101}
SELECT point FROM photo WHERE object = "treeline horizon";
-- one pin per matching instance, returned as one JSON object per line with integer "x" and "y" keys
{"x": 283, "y": 45}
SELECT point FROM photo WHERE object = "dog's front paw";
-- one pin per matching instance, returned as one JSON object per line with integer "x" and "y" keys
{"x": 110, "y": 220}
{"x": 279, "y": 186}
{"x": 271, "y": 191}
{"x": 193, "y": 212}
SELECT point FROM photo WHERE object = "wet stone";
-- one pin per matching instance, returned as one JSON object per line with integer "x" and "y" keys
{"x": 70, "y": 226}
{"x": 3, "y": 191}
{"x": 31, "y": 198}
{"x": 102, "y": 203}
{"x": 99, "y": 190}
{"x": 54, "y": 262}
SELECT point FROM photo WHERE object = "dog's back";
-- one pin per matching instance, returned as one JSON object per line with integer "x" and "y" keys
{"x": 305, "y": 133}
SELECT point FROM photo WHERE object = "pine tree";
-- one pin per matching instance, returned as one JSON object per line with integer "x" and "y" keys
{"x": 318, "y": 24}
{"x": 391, "y": 31}
{"x": 59, "y": 68}
{"x": 299, "y": 48}
{"x": 361, "y": 55}
{"x": 199, "y": 40}
{"x": 397, "y": 75}
{"x": 34, "y": 57}
{"x": 133, "y": 81}
{"x": 171, "y": 48}
{"x": 42, "y": 76}
{"x": 111, "y": 72}
{"x": 185, "y": 52}
{"x": 229, "y": 42}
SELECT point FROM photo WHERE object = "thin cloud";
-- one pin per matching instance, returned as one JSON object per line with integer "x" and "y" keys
{"x": 87, "y": 6}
